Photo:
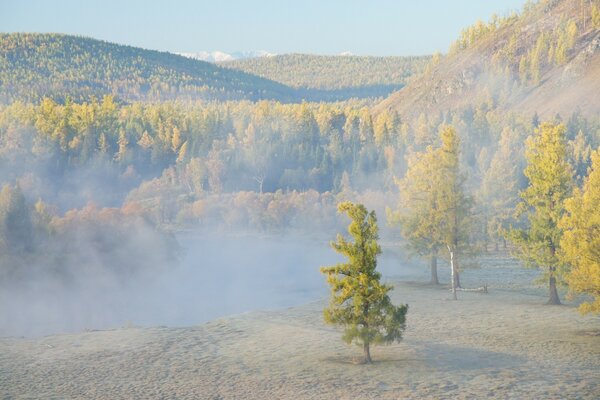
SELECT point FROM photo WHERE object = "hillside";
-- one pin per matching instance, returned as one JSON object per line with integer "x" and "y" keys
{"x": 37, "y": 65}
{"x": 545, "y": 59}
{"x": 335, "y": 76}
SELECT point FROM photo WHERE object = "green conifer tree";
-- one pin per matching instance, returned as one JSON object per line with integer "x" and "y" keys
{"x": 359, "y": 301}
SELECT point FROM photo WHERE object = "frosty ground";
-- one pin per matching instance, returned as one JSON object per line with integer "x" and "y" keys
{"x": 505, "y": 344}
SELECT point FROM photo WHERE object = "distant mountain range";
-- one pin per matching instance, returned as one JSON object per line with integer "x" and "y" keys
{"x": 219, "y": 56}
{"x": 34, "y": 65}
{"x": 222, "y": 56}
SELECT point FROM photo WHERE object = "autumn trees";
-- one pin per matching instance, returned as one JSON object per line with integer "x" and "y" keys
{"x": 434, "y": 211}
{"x": 181, "y": 162}
{"x": 359, "y": 301}
{"x": 548, "y": 230}
{"x": 550, "y": 183}
{"x": 580, "y": 241}
{"x": 563, "y": 234}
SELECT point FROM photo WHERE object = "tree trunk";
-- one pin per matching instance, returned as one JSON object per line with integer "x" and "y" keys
{"x": 456, "y": 277}
{"x": 452, "y": 273}
{"x": 434, "y": 274}
{"x": 496, "y": 249}
{"x": 553, "y": 292}
{"x": 367, "y": 354}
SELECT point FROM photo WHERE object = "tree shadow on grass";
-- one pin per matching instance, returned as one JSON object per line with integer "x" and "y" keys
{"x": 377, "y": 359}
{"x": 443, "y": 356}
{"x": 436, "y": 356}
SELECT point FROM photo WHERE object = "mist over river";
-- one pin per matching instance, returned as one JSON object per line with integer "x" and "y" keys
{"x": 216, "y": 276}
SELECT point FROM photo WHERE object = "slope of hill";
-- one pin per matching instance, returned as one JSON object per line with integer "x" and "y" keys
{"x": 544, "y": 60}
{"x": 335, "y": 76}
{"x": 55, "y": 65}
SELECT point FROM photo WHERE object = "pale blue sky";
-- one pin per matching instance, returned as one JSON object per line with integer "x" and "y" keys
{"x": 377, "y": 27}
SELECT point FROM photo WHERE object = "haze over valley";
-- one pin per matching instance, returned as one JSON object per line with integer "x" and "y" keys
{"x": 255, "y": 225}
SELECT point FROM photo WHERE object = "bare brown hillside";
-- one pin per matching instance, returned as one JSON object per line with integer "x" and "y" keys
{"x": 545, "y": 60}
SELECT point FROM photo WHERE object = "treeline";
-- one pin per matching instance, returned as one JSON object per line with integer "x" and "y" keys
{"x": 228, "y": 146}
{"x": 261, "y": 147}
{"x": 37, "y": 242}
{"x": 271, "y": 167}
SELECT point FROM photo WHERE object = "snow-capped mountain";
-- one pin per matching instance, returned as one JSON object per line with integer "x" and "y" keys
{"x": 218, "y": 56}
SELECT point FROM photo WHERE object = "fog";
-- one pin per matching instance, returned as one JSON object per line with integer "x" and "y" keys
{"x": 216, "y": 275}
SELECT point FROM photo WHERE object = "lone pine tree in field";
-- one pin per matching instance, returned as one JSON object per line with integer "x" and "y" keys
{"x": 550, "y": 178}
{"x": 580, "y": 243}
{"x": 359, "y": 301}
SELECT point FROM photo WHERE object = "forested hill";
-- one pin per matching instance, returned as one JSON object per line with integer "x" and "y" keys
{"x": 545, "y": 59}
{"x": 36, "y": 65}
{"x": 335, "y": 77}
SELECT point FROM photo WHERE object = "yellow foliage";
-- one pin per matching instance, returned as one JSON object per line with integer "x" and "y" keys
{"x": 595, "y": 17}
{"x": 580, "y": 244}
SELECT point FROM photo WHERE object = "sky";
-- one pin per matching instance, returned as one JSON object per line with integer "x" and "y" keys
{"x": 376, "y": 27}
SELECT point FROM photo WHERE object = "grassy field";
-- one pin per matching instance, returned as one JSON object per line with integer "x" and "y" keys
{"x": 505, "y": 344}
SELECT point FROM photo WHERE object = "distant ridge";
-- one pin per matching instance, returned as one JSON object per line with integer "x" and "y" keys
{"x": 35, "y": 65}
{"x": 337, "y": 72}
{"x": 219, "y": 56}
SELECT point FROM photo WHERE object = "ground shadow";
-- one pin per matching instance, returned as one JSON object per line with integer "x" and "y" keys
{"x": 443, "y": 356}
{"x": 440, "y": 357}
{"x": 377, "y": 359}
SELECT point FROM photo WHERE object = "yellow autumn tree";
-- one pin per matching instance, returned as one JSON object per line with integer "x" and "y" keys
{"x": 580, "y": 244}
{"x": 550, "y": 181}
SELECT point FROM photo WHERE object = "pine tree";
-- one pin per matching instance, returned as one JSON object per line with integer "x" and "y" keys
{"x": 434, "y": 212}
{"x": 122, "y": 153}
{"x": 580, "y": 243}
{"x": 498, "y": 193}
{"x": 103, "y": 145}
{"x": 16, "y": 229}
{"x": 455, "y": 205}
{"x": 550, "y": 178}
{"x": 182, "y": 153}
{"x": 359, "y": 301}
{"x": 418, "y": 214}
